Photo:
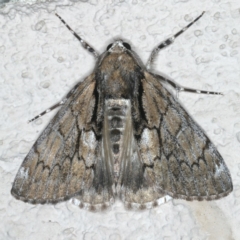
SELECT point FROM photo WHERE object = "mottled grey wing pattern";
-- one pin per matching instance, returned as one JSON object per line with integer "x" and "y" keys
{"x": 182, "y": 161}
{"x": 136, "y": 186}
{"x": 66, "y": 160}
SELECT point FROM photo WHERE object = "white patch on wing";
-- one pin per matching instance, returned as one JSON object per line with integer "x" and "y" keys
{"x": 149, "y": 146}
{"x": 23, "y": 173}
{"x": 219, "y": 170}
{"x": 88, "y": 145}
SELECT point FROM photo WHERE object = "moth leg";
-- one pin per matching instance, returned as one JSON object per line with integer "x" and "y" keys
{"x": 169, "y": 41}
{"x": 48, "y": 110}
{"x": 184, "y": 89}
{"x": 84, "y": 44}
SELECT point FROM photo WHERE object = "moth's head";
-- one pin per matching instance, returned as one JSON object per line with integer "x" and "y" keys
{"x": 118, "y": 46}
{"x": 119, "y": 52}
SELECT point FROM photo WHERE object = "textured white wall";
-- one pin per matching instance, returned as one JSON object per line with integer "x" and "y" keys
{"x": 41, "y": 61}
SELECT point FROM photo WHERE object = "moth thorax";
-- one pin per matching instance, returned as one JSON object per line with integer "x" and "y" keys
{"x": 117, "y": 113}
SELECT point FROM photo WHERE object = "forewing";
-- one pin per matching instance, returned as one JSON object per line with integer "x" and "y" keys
{"x": 185, "y": 163}
{"x": 63, "y": 161}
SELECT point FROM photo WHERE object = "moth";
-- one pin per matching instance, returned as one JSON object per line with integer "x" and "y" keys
{"x": 121, "y": 133}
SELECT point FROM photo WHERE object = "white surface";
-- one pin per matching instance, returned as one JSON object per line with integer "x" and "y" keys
{"x": 41, "y": 61}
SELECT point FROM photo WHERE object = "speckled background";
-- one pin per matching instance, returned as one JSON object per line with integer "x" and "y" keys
{"x": 40, "y": 61}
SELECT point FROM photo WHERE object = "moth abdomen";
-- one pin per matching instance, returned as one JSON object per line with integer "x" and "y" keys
{"x": 117, "y": 112}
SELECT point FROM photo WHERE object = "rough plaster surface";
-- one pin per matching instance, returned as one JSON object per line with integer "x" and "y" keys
{"x": 41, "y": 61}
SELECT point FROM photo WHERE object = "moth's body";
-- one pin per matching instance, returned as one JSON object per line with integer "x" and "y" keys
{"x": 120, "y": 132}
{"x": 118, "y": 89}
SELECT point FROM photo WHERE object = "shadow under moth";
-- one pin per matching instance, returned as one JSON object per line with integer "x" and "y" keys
{"x": 121, "y": 133}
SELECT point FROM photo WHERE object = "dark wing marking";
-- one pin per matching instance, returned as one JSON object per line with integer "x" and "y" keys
{"x": 185, "y": 163}
{"x": 66, "y": 160}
